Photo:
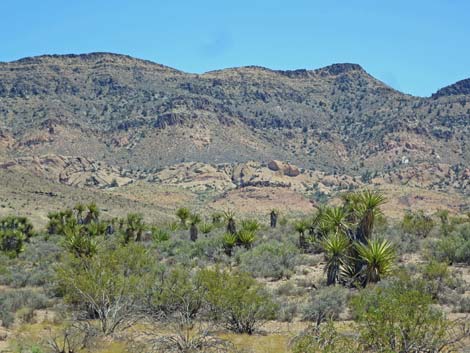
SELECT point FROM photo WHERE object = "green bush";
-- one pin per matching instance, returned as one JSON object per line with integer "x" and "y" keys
{"x": 417, "y": 223}
{"x": 236, "y": 300}
{"x": 324, "y": 339}
{"x": 22, "y": 301}
{"x": 325, "y": 304}
{"x": 453, "y": 248}
{"x": 399, "y": 316}
{"x": 271, "y": 259}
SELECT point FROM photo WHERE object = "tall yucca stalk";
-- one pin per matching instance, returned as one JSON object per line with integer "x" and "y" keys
{"x": 378, "y": 257}
{"x": 367, "y": 209}
{"x": 336, "y": 247}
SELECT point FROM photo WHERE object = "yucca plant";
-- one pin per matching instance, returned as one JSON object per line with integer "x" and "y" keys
{"x": 135, "y": 227}
{"x": 367, "y": 209}
{"x": 92, "y": 214}
{"x": 246, "y": 238}
{"x": 78, "y": 242}
{"x": 183, "y": 214}
{"x": 206, "y": 227}
{"x": 378, "y": 257}
{"x": 11, "y": 242}
{"x": 251, "y": 225}
{"x": 301, "y": 226}
{"x": 335, "y": 246}
{"x": 229, "y": 217}
{"x": 159, "y": 235}
{"x": 335, "y": 220}
{"x": 273, "y": 218}
{"x": 194, "y": 220}
{"x": 229, "y": 240}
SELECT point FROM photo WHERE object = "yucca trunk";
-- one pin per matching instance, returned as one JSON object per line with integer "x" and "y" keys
{"x": 193, "y": 232}
{"x": 366, "y": 225}
{"x": 231, "y": 227}
{"x": 273, "y": 219}
{"x": 302, "y": 241}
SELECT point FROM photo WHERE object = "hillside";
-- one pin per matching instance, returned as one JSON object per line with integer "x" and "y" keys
{"x": 141, "y": 115}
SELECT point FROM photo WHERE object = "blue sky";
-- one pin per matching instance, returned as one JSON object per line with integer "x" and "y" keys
{"x": 415, "y": 46}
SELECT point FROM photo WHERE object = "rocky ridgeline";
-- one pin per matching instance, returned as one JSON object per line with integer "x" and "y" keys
{"x": 203, "y": 177}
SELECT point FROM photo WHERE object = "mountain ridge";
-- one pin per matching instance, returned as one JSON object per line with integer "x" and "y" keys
{"x": 333, "y": 69}
{"x": 139, "y": 114}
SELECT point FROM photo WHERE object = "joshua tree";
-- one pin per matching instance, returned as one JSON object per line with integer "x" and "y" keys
{"x": 194, "y": 220}
{"x": 273, "y": 215}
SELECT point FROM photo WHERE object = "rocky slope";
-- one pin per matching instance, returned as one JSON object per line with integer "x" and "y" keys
{"x": 141, "y": 116}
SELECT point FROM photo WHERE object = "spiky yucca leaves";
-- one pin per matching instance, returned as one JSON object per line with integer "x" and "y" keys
{"x": 21, "y": 224}
{"x": 12, "y": 242}
{"x": 206, "y": 227}
{"x": 334, "y": 220}
{"x": 92, "y": 214}
{"x": 159, "y": 235}
{"x": 230, "y": 240}
{"x": 135, "y": 227}
{"x": 229, "y": 217}
{"x": 378, "y": 257}
{"x": 79, "y": 241}
{"x": 367, "y": 209}
{"x": 183, "y": 214}
{"x": 336, "y": 248}
{"x": 79, "y": 209}
{"x": 246, "y": 237}
{"x": 251, "y": 224}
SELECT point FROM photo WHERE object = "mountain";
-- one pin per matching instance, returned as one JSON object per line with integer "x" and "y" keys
{"x": 144, "y": 137}
{"x": 141, "y": 115}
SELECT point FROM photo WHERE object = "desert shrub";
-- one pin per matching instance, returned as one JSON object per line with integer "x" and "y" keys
{"x": 453, "y": 248}
{"x": 405, "y": 243}
{"x": 33, "y": 267}
{"x": 287, "y": 311}
{"x": 109, "y": 286}
{"x": 177, "y": 295}
{"x": 22, "y": 301}
{"x": 236, "y": 300}
{"x": 290, "y": 289}
{"x": 417, "y": 223}
{"x": 399, "y": 316}
{"x": 325, "y": 304}
{"x": 271, "y": 259}
{"x": 324, "y": 338}
{"x": 462, "y": 305}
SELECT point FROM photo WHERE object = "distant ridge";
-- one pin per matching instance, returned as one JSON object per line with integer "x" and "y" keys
{"x": 136, "y": 113}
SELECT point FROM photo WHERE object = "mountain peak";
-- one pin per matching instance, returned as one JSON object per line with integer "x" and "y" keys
{"x": 340, "y": 68}
{"x": 460, "y": 87}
